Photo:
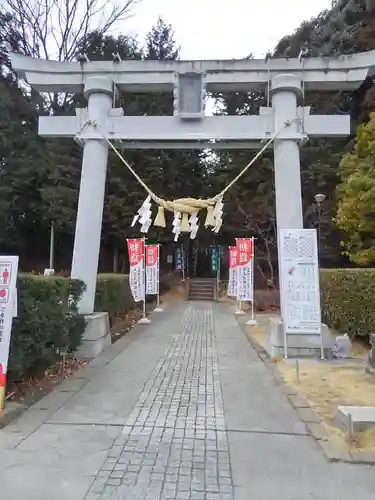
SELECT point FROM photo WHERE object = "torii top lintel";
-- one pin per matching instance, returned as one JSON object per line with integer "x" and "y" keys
{"x": 318, "y": 73}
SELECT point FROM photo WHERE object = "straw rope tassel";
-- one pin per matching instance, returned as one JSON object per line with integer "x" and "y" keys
{"x": 160, "y": 218}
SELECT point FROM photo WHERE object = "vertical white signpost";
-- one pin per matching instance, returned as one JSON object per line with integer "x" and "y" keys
{"x": 245, "y": 271}
{"x": 136, "y": 250}
{"x": 152, "y": 274}
{"x": 8, "y": 281}
{"x": 300, "y": 284}
{"x": 232, "y": 278}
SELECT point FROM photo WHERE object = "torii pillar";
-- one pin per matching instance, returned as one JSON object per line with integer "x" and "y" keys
{"x": 285, "y": 91}
{"x": 98, "y": 90}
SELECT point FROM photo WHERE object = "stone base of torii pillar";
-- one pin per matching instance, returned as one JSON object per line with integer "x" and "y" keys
{"x": 298, "y": 344}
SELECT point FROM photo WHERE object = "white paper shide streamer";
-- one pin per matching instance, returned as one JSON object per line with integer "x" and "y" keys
{"x": 218, "y": 215}
{"x": 194, "y": 226}
{"x": 144, "y": 216}
{"x": 176, "y": 225}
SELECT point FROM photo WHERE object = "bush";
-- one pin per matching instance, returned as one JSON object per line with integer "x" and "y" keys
{"x": 348, "y": 300}
{"x": 47, "y": 321}
{"x": 113, "y": 295}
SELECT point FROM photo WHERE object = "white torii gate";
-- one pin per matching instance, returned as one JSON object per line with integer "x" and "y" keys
{"x": 188, "y": 127}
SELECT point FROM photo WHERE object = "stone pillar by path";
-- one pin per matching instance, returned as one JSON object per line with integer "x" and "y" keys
{"x": 98, "y": 90}
{"x": 285, "y": 90}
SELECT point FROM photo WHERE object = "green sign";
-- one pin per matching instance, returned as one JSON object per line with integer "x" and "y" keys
{"x": 215, "y": 255}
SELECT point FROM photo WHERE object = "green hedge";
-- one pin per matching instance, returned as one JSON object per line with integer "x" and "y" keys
{"x": 348, "y": 300}
{"x": 47, "y": 322}
{"x": 113, "y": 295}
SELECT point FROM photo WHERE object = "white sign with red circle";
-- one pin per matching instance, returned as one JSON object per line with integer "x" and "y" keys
{"x": 8, "y": 281}
{"x": 4, "y": 295}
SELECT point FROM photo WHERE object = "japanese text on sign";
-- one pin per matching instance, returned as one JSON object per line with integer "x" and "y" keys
{"x": 152, "y": 269}
{"x": 300, "y": 281}
{"x": 136, "y": 265}
{"x": 180, "y": 259}
{"x": 244, "y": 269}
{"x": 232, "y": 279}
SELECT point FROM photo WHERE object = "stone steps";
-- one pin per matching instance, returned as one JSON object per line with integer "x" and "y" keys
{"x": 202, "y": 289}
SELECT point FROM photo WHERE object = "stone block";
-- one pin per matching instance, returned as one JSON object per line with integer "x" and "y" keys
{"x": 97, "y": 336}
{"x": 298, "y": 401}
{"x": 299, "y": 344}
{"x": 11, "y": 411}
{"x": 318, "y": 431}
{"x": 371, "y": 358}
{"x": 333, "y": 453}
{"x": 308, "y": 415}
{"x": 363, "y": 457}
{"x": 363, "y": 417}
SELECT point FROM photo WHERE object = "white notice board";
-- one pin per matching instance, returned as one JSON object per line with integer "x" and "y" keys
{"x": 300, "y": 280}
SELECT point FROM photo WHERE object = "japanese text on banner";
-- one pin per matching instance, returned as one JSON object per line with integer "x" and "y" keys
{"x": 152, "y": 269}
{"x": 136, "y": 274}
{"x": 180, "y": 259}
{"x": 232, "y": 280}
{"x": 244, "y": 267}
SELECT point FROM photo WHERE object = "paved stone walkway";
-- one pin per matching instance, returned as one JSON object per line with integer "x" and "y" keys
{"x": 180, "y": 409}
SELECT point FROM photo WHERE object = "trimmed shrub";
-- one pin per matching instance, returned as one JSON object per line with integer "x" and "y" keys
{"x": 113, "y": 295}
{"x": 348, "y": 300}
{"x": 47, "y": 322}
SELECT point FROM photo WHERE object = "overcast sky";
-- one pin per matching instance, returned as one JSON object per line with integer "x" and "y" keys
{"x": 226, "y": 29}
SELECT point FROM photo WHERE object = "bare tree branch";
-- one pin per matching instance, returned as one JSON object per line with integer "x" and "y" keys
{"x": 57, "y": 29}
{"x": 265, "y": 231}
{"x": 53, "y": 29}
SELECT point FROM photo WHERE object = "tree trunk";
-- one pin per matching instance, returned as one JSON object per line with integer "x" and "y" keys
{"x": 115, "y": 260}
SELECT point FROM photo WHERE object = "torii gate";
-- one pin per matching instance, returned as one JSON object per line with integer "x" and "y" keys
{"x": 188, "y": 127}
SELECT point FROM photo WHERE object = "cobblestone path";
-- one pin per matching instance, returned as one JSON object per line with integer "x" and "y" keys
{"x": 174, "y": 443}
{"x": 181, "y": 409}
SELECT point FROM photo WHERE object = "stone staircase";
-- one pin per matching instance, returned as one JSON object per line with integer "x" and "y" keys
{"x": 202, "y": 289}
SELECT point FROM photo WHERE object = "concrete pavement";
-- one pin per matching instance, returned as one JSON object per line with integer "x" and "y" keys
{"x": 180, "y": 409}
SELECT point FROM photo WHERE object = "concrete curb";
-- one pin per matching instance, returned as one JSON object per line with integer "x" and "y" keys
{"x": 12, "y": 410}
{"x": 314, "y": 425}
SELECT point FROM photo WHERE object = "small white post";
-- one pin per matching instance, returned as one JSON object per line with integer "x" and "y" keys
{"x": 350, "y": 428}
{"x": 239, "y": 308}
{"x": 52, "y": 246}
{"x": 183, "y": 262}
{"x": 218, "y": 273}
{"x": 144, "y": 320}
{"x": 158, "y": 308}
{"x": 252, "y": 321}
{"x": 297, "y": 372}
{"x": 285, "y": 343}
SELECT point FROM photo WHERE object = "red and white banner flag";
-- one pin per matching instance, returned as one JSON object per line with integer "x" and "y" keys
{"x": 232, "y": 280}
{"x": 137, "y": 271}
{"x": 152, "y": 269}
{"x": 244, "y": 266}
